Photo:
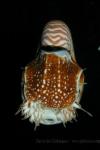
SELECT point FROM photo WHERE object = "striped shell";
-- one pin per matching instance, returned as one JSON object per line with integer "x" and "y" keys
{"x": 57, "y": 33}
{"x": 53, "y": 82}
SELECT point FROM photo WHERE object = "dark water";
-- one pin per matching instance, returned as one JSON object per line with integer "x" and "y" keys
{"x": 23, "y": 34}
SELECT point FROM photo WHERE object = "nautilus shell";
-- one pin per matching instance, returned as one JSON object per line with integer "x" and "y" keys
{"x": 53, "y": 82}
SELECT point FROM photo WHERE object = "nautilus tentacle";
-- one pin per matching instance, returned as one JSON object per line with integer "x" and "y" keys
{"x": 53, "y": 82}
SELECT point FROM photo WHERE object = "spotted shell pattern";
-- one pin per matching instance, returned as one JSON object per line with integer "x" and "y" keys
{"x": 53, "y": 83}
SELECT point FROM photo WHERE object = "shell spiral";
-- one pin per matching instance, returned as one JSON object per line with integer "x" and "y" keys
{"x": 57, "y": 33}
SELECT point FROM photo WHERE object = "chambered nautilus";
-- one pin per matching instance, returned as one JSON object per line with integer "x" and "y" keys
{"x": 53, "y": 82}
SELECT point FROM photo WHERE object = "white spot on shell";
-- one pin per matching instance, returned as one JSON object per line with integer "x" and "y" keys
{"x": 71, "y": 89}
{"x": 42, "y": 86}
{"x": 54, "y": 86}
{"x": 58, "y": 90}
{"x": 59, "y": 62}
{"x": 44, "y": 81}
{"x": 54, "y": 78}
{"x": 44, "y": 91}
{"x": 65, "y": 87}
{"x": 56, "y": 93}
{"x": 64, "y": 94}
{"x": 44, "y": 97}
{"x": 39, "y": 96}
{"x": 58, "y": 71}
{"x": 38, "y": 90}
{"x": 47, "y": 94}
{"x": 56, "y": 96}
{"x": 37, "y": 85}
{"x": 58, "y": 84}
{"x": 45, "y": 71}
{"x": 61, "y": 97}
{"x": 68, "y": 93}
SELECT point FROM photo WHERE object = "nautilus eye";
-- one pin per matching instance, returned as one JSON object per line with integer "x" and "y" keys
{"x": 53, "y": 82}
